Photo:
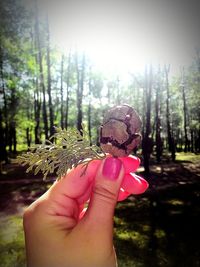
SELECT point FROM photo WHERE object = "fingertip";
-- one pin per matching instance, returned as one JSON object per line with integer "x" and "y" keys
{"x": 144, "y": 185}
{"x": 130, "y": 163}
{"x": 134, "y": 184}
{"x": 91, "y": 169}
{"x": 122, "y": 195}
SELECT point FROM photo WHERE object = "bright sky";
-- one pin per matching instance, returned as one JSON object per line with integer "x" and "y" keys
{"x": 124, "y": 35}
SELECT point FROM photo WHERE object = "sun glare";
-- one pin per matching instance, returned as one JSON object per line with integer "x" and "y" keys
{"x": 122, "y": 36}
{"x": 106, "y": 53}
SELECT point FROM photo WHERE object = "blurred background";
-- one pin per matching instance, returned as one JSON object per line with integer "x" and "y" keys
{"x": 64, "y": 64}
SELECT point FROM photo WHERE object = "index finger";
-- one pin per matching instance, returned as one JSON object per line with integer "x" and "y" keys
{"x": 76, "y": 183}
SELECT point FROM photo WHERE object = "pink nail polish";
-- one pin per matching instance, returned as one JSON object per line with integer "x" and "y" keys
{"x": 111, "y": 168}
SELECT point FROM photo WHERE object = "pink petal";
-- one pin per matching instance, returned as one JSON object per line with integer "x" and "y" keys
{"x": 131, "y": 163}
{"x": 134, "y": 184}
{"x": 122, "y": 194}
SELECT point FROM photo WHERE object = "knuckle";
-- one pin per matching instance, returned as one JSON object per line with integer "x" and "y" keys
{"x": 32, "y": 211}
{"x": 104, "y": 193}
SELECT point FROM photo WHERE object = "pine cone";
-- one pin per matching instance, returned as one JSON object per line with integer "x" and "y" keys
{"x": 120, "y": 131}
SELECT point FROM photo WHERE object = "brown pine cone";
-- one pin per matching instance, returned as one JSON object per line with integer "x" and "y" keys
{"x": 120, "y": 131}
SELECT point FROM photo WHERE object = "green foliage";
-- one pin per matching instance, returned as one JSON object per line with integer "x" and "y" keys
{"x": 19, "y": 54}
{"x": 68, "y": 149}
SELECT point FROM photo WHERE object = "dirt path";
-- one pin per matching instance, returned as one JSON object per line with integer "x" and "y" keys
{"x": 18, "y": 189}
{"x": 161, "y": 226}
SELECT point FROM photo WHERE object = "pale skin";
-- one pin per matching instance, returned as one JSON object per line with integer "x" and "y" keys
{"x": 54, "y": 234}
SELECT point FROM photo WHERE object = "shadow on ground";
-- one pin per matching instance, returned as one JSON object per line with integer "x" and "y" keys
{"x": 158, "y": 229}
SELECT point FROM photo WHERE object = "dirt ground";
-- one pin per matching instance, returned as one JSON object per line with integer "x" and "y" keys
{"x": 157, "y": 229}
{"x": 19, "y": 189}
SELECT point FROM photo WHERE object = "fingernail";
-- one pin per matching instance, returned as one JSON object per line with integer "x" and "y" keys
{"x": 111, "y": 168}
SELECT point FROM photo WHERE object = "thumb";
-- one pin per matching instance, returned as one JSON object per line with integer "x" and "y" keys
{"x": 105, "y": 191}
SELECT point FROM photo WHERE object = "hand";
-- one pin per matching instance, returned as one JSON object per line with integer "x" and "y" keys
{"x": 54, "y": 233}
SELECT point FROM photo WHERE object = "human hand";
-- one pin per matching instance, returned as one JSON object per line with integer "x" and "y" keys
{"x": 54, "y": 233}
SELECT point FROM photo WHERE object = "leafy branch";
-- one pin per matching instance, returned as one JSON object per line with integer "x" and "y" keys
{"x": 65, "y": 149}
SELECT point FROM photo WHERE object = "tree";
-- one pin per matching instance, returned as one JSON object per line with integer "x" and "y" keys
{"x": 42, "y": 83}
{"x": 147, "y": 143}
{"x": 159, "y": 145}
{"x": 67, "y": 90}
{"x": 171, "y": 142}
{"x": 61, "y": 93}
{"x": 182, "y": 85}
{"x": 3, "y": 152}
{"x": 51, "y": 114}
{"x": 3, "y": 91}
{"x": 80, "y": 68}
{"x": 89, "y": 107}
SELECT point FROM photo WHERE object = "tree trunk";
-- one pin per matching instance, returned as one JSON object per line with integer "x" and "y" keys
{"x": 89, "y": 110}
{"x": 158, "y": 122}
{"x": 12, "y": 137}
{"x": 61, "y": 93}
{"x": 51, "y": 114}
{"x": 5, "y": 105}
{"x": 80, "y": 80}
{"x": 37, "y": 98}
{"x": 171, "y": 143}
{"x": 37, "y": 109}
{"x": 118, "y": 91}
{"x": 28, "y": 137}
{"x": 68, "y": 84}
{"x": 184, "y": 112}
{"x": 42, "y": 85}
{"x": 3, "y": 152}
{"x": 12, "y": 122}
{"x": 147, "y": 144}
{"x": 192, "y": 141}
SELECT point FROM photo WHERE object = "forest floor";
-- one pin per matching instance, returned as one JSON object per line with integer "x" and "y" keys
{"x": 158, "y": 228}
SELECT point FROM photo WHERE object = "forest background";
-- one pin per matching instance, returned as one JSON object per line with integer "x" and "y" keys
{"x": 43, "y": 86}
{"x": 48, "y": 79}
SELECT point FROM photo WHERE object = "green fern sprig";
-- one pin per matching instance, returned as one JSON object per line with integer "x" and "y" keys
{"x": 68, "y": 149}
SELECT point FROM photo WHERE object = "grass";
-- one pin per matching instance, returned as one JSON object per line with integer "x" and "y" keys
{"x": 187, "y": 157}
{"x": 12, "y": 252}
{"x": 145, "y": 234}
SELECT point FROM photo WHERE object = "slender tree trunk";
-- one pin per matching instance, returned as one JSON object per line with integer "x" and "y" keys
{"x": 109, "y": 94}
{"x": 5, "y": 105}
{"x": 158, "y": 122}
{"x": 118, "y": 90}
{"x": 42, "y": 84}
{"x": 51, "y": 114}
{"x": 37, "y": 109}
{"x": 89, "y": 110}
{"x": 184, "y": 112}
{"x": 12, "y": 122}
{"x": 68, "y": 85}
{"x": 3, "y": 151}
{"x": 147, "y": 144}
{"x": 37, "y": 98}
{"x": 28, "y": 137}
{"x": 171, "y": 143}
{"x": 12, "y": 137}
{"x": 199, "y": 91}
{"x": 80, "y": 79}
{"x": 148, "y": 101}
{"x": 61, "y": 93}
{"x": 192, "y": 141}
